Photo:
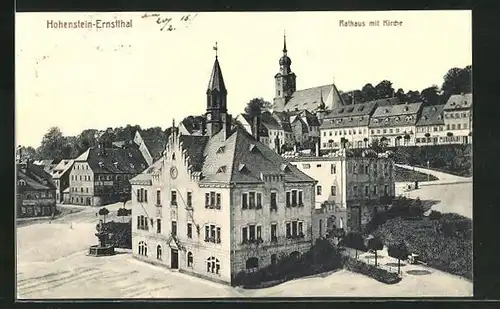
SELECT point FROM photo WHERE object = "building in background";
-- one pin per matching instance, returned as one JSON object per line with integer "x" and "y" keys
{"x": 151, "y": 144}
{"x": 101, "y": 174}
{"x": 350, "y": 189}
{"x": 458, "y": 119}
{"x": 395, "y": 125}
{"x": 430, "y": 126}
{"x": 288, "y": 98}
{"x": 35, "y": 191}
{"x": 60, "y": 174}
{"x": 222, "y": 203}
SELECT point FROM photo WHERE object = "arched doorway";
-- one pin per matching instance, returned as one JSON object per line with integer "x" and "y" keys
{"x": 252, "y": 264}
{"x": 158, "y": 252}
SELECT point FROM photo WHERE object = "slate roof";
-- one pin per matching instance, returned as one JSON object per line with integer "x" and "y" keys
{"x": 263, "y": 131}
{"x": 35, "y": 177}
{"x": 310, "y": 98}
{"x": 193, "y": 124}
{"x": 269, "y": 122}
{"x": 241, "y": 159}
{"x": 216, "y": 80}
{"x": 458, "y": 102}
{"x": 155, "y": 142}
{"x": 356, "y": 115}
{"x": 395, "y": 115}
{"x": 62, "y": 168}
{"x": 129, "y": 161}
{"x": 145, "y": 177}
{"x": 194, "y": 146}
{"x": 431, "y": 115}
{"x": 283, "y": 120}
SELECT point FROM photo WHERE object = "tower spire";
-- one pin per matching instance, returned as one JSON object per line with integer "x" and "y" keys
{"x": 284, "y": 42}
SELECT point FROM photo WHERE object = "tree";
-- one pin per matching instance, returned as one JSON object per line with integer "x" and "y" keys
{"x": 375, "y": 244}
{"x": 400, "y": 94}
{"x": 430, "y": 95}
{"x": 384, "y": 90}
{"x": 256, "y": 106}
{"x": 413, "y": 96}
{"x": 398, "y": 251}
{"x": 416, "y": 209}
{"x": 28, "y": 153}
{"x": 104, "y": 212}
{"x": 122, "y": 212}
{"x": 353, "y": 240}
{"x": 52, "y": 145}
{"x": 369, "y": 92}
{"x": 377, "y": 145}
{"x": 457, "y": 81}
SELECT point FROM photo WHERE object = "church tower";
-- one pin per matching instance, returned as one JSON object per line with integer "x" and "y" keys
{"x": 216, "y": 115}
{"x": 284, "y": 81}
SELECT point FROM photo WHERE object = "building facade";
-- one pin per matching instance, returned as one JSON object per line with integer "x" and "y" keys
{"x": 430, "y": 127}
{"x": 222, "y": 203}
{"x": 395, "y": 125}
{"x": 349, "y": 189}
{"x": 100, "y": 175}
{"x": 60, "y": 174}
{"x": 35, "y": 191}
{"x": 458, "y": 119}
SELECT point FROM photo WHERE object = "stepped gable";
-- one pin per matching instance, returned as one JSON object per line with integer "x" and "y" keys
{"x": 194, "y": 146}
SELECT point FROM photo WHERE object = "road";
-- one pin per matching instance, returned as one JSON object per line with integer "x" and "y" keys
{"x": 52, "y": 263}
{"x": 453, "y": 193}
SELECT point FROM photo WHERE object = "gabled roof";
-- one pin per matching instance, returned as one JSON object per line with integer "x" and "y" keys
{"x": 396, "y": 110}
{"x": 193, "y": 124}
{"x": 270, "y": 122}
{"x": 115, "y": 160}
{"x": 36, "y": 178}
{"x": 431, "y": 115}
{"x": 216, "y": 80}
{"x": 355, "y": 115}
{"x": 459, "y": 101}
{"x": 63, "y": 167}
{"x": 238, "y": 159}
{"x": 155, "y": 142}
{"x": 283, "y": 120}
{"x": 310, "y": 99}
{"x": 145, "y": 177}
{"x": 395, "y": 115}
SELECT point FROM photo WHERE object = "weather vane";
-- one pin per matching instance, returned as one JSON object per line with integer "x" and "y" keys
{"x": 216, "y": 49}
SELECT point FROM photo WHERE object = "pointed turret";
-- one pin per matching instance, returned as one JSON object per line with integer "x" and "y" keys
{"x": 216, "y": 100}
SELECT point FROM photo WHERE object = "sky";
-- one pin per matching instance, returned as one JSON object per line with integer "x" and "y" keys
{"x": 84, "y": 78}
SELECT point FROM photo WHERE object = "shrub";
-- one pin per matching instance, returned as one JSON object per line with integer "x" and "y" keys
{"x": 435, "y": 215}
{"x": 372, "y": 271}
{"x": 323, "y": 256}
{"x": 121, "y": 233}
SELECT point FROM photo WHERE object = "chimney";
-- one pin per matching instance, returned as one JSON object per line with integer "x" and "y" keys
{"x": 317, "y": 149}
{"x": 256, "y": 127}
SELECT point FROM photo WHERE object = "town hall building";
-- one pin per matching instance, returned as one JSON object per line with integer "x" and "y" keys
{"x": 222, "y": 202}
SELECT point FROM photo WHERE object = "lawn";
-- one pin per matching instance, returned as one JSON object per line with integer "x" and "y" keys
{"x": 443, "y": 241}
{"x": 406, "y": 175}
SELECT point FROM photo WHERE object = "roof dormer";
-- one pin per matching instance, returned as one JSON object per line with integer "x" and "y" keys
{"x": 221, "y": 149}
{"x": 222, "y": 170}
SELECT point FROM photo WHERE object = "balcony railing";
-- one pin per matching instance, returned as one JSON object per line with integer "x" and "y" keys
{"x": 209, "y": 206}
{"x": 213, "y": 240}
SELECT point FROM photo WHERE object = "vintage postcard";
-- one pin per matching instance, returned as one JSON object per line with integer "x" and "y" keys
{"x": 224, "y": 154}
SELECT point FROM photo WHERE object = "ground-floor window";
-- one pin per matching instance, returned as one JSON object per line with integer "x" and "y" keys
{"x": 213, "y": 265}
{"x": 158, "y": 252}
{"x": 274, "y": 259}
{"x": 23, "y": 210}
{"x": 190, "y": 259}
{"x": 143, "y": 248}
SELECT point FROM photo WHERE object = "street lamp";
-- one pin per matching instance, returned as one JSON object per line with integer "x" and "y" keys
{"x": 428, "y": 172}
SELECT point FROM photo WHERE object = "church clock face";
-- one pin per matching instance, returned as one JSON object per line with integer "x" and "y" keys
{"x": 173, "y": 172}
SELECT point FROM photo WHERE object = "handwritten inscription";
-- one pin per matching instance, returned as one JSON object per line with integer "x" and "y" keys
{"x": 371, "y": 23}
{"x": 168, "y": 23}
